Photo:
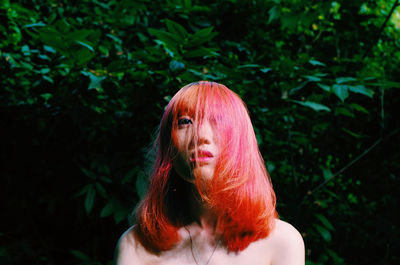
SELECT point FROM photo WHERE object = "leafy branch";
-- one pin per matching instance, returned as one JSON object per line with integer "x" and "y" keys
{"x": 378, "y": 35}
{"x": 326, "y": 181}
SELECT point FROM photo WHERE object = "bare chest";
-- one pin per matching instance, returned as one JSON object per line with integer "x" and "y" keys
{"x": 255, "y": 254}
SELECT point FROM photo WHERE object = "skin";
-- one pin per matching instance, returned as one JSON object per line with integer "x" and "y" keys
{"x": 284, "y": 246}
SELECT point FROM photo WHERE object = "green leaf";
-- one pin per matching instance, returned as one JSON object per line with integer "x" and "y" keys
{"x": 78, "y": 35}
{"x": 83, "y": 56}
{"x": 312, "y": 78}
{"x": 360, "y": 108}
{"x": 95, "y": 81}
{"x": 289, "y": 20}
{"x": 128, "y": 177}
{"x": 352, "y": 198}
{"x": 200, "y": 37}
{"x": 203, "y": 33}
{"x": 320, "y": 74}
{"x": 63, "y": 69}
{"x": 44, "y": 70}
{"x": 313, "y": 105}
{"x": 39, "y": 24}
{"x": 362, "y": 90}
{"x": 49, "y": 49}
{"x": 88, "y": 173}
{"x": 216, "y": 76}
{"x": 101, "y": 190}
{"x": 107, "y": 210}
{"x": 195, "y": 42}
{"x": 48, "y": 79}
{"x": 114, "y": 38}
{"x": 344, "y": 111}
{"x": 5, "y": 4}
{"x": 187, "y": 4}
{"x": 201, "y": 9}
{"x": 273, "y": 13}
{"x": 328, "y": 225}
{"x": 341, "y": 91}
{"x": 51, "y": 37}
{"x": 249, "y": 66}
{"x": 327, "y": 173}
{"x": 315, "y": 62}
{"x": 265, "y": 70}
{"x": 355, "y": 135}
{"x": 341, "y": 80}
{"x": 25, "y": 50}
{"x": 326, "y": 235}
{"x": 82, "y": 191}
{"x": 119, "y": 216}
{"x": 44, "y": 57}
{"x": 106, "y": 179}
{"x": 165, "y": 37}
{"x": 85, "y": 45}
{"x": 324, "y": 87}
{"x": 200, "y": 52}
{"x": 89, "y": 201}
{"x": 168, "y": 39}
{"x": 259, "y": 66}
{"x": 25, "y": 65}
{"x": 176, "y": 29}
{"x": 295, "y": 89}
{"x": 46, "y": 96}
{"x": 63, "y": 25}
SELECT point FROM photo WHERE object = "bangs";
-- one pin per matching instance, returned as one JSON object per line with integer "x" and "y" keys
{"x": 208, "y": 101}
{"x": 185, "y": 102}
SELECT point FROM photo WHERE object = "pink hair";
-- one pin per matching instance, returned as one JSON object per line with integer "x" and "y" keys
{"x": 240, "y": 192}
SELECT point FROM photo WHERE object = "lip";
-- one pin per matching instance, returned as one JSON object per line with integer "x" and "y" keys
{"x": 202, "y": 156}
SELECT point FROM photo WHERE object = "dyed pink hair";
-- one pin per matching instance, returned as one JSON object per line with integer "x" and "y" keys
{"x": 240, "y": 192}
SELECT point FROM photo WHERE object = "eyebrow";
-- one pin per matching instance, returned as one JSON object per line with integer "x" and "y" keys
{"x": 186, "y": 112}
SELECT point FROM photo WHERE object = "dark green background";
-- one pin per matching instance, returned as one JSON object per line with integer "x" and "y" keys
{"x": 83, "y": 85}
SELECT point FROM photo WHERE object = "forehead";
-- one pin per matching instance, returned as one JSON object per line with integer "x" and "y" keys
{"x": 202, "y": 100}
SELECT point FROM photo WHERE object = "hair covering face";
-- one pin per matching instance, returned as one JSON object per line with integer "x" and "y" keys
{"x": 239, "y": 192}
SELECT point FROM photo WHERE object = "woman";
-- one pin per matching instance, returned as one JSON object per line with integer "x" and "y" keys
{"x": 210, "y": 199}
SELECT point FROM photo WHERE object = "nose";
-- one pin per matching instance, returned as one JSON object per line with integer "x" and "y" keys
{"x": 205, "y": 134}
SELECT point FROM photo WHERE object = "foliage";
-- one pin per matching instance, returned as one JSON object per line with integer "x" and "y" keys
{"x": 83, "y": 85}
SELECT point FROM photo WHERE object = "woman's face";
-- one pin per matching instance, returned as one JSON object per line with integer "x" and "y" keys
{"x": 196, "y": 156}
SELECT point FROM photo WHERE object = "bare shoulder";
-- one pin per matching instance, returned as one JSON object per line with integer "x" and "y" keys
{"x": 288, "y": 245}
{"x": 127, "y": 249}
{"x": 286, "y": 232}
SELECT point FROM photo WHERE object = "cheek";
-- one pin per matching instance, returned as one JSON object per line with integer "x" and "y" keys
{"x": 182, "y": 167}
{"x": 179, "y": 139}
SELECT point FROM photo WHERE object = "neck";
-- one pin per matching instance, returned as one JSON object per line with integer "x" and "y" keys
{"x": 202, "y": 215}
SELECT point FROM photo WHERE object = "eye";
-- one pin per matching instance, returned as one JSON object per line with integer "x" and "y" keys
{"x": 184, "y": 121}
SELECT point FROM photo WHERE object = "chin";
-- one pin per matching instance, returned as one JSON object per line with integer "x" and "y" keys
{"x": 204, "y": 173}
